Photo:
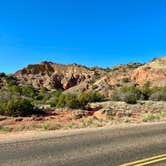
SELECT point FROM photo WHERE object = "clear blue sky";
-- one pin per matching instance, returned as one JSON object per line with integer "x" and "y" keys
{"x": 90, "y": 32}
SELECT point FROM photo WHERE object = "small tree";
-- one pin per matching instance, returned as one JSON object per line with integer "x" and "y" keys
{"x": 127, "y": 94}
{"x": 146, "y": 91}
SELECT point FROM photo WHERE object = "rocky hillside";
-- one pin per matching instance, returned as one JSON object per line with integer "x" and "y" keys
{"x": 117, "y": 76}
{"x": 75, "y": 78}
{"x": 136, "y": 74}
{"x": 55, "y": 76}
{"x": 154, "y": 72}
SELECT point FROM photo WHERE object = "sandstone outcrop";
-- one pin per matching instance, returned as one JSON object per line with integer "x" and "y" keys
{"x": 154, "y": 72}
{"x": 75, "y": 78}
{"x": 52, "y": 75}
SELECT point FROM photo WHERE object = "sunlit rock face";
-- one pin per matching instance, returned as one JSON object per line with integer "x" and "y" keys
{"x": 52, "y": 75}
{"x": 154, "y": 72}
{"x": 75, "y": 78}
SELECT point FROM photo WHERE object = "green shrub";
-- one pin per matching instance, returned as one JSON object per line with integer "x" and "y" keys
{"x": 71, "y": 101}
{"x": 129, "y": 98}
{"x": 10, "y": 80}
{"x": 163, "y": 114}
{"x": 131, "y": 89}
{"x": 151, "y": 117}
{"x": 18, "y": 107}
{"x": 127, "y": 94}
{"x": 20, "y": 128}
{"x": 15, "y": 89}
{"x": 58, "y": 126}
{"x": 3, "y": 108}
{"x": 55, "y": 98}
{"x": 89, "y": 97}
{"x": 61, "y": 101}
{"x": 75, "y": 101}
{"x": 42, "y": 95}
{"x": 29, "y": 91}
{"x": 5, "y": 128}
{"x": 71, "y": 125}
{"x": 130, "y": 94}
{"x": 158, "y": 96}
{"x": 146, "y": 91}
{"x": 46, "y": 126}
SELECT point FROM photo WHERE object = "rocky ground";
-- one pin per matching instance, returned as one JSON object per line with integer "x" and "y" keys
{"x": 96, "y": 115}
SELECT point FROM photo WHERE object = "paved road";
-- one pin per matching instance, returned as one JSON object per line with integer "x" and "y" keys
{"x": 100, "y": 147}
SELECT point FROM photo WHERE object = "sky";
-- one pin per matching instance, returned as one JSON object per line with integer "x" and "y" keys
{"x": 89, "y": 32}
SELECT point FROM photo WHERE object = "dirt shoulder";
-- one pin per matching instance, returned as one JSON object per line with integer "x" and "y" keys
{"x": 103, "y": 114}
{"x": 36, "y": 135}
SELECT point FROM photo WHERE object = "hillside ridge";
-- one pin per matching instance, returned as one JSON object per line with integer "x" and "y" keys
{"x": 75, "y": 78}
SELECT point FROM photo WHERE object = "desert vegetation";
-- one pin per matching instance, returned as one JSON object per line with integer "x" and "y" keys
{"x": 52, "y": 96}
{"x": 130, "y": 94}
{"x": 74, "y": 101}
{"x": 18, "y": 100}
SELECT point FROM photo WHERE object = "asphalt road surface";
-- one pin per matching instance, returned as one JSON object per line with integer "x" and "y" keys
{"x": 97, "y": 147}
